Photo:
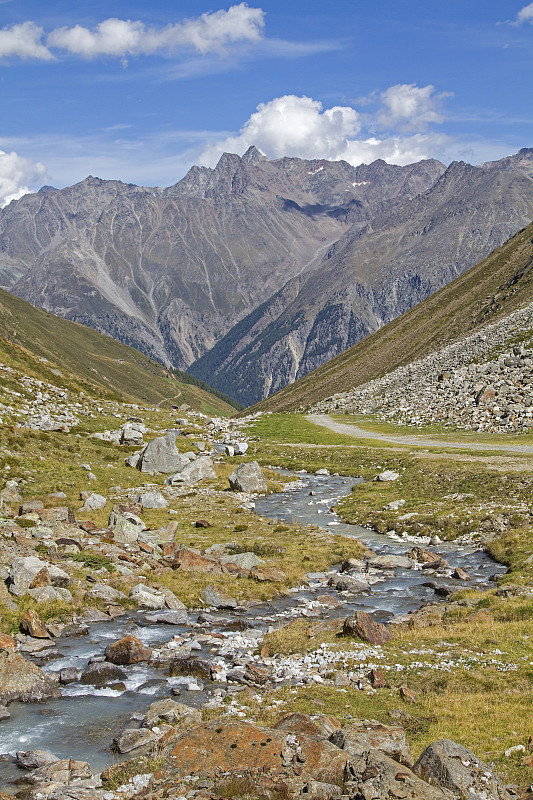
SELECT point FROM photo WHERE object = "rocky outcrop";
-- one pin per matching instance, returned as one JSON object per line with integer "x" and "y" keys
{"x": 23, "y": 681}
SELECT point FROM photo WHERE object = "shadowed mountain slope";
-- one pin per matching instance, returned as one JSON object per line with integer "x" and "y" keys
{"x": 487, "y": 292}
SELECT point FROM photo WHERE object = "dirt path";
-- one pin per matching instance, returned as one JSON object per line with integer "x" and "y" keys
{"x": 413, "y": 441}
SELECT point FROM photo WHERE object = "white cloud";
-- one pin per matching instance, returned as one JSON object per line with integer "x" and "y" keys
{"x": 525, "y": 14}
{"x": 16, "y": 173}
{"x": 210, "y": 32}
{"x": 298, "y": 126}
{"x": 407, "y": 106}
{"x": 24, "y": 41}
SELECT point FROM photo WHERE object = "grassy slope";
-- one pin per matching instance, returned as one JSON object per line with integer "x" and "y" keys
{"x": 492, "y": 289}
{"x": 28, "y": 334}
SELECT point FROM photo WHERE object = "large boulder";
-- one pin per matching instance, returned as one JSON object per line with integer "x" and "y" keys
{"x": 34, "y": 759}
{"x": 33, "y": 625}
{"x": 200, "y": 469}
{"x": 24, "y": 571}
{"x": 248, "y": 478}
{"x": 451, "y": 766}
{"x": 364, "y": 627}
{"x": 128, "y": 650}
{"x": 101, "y": 673}
{"x": 20, "y": 680}
{"x": 162, "y": 455}
{"x": 361, "y": 735}
{"x": 321, "y": 725}
{"x": 230, "y": 746}
{"x": 125, "y": 528}
{"x": 93, "y": 501}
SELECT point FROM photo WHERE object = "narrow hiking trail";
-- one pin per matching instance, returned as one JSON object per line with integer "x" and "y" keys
{"x": 325, "y": 421}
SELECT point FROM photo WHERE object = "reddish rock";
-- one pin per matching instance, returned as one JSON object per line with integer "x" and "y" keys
{"x": 461, "y": 575}
{"x": 202, "y": 523}
{"x": 87, "y": 526}
{"x": 364, "y": 627}
{"x": 267, "y": 574}
{"x": 128, "y": 650}
{"x": 428, "y": 558}
{"x": 41, "y": 579}
{"x": 377, "y": 678}
{"x": 408, "y": 694}
{"x": 7, "y": 642}
{"x": 190, "y": 561}
{"x": 361, "y": 735}
{"x": 32, "y": 624}
{"x": 242, "y": 747}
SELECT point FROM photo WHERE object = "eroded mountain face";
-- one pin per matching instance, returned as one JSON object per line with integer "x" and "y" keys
{"x": 263, "y": 268}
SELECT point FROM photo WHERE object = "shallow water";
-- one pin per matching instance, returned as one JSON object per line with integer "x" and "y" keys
{"x": 82, "y": 723}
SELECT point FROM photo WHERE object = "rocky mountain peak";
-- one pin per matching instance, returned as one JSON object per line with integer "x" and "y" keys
{"x": 254, "y": 156}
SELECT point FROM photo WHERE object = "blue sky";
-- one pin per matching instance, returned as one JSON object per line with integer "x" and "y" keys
{"x": 141, "y": 91}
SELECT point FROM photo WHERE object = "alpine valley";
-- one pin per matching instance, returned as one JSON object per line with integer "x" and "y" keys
{"x": 254, "y": 273}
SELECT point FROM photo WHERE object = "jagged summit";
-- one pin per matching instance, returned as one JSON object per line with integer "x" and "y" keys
{"x": 257, "y": 271}
{"x": 254, "y": 156}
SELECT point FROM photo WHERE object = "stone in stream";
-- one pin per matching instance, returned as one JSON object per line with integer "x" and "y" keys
{"x": 451, "y": 766}
{"x": 218, "y": 598}
{"x": 101, "y": 673}
{"x": 68, "y": 675}
{"x": 189, "y": 665}
{"x": 390, "y": 562}
{"x": 4, "y": 713}
{"x": 132, "y": 738}
{"x": 361, "y": 735}
{"x": 34, "y": 759}
{"x": 170, "y": 711}
{"x": 248, "y": 478}
{"x": 422, "y": 556}
{"x": 460, "y": 575}
{"x": 167, "y": 617}
{"x": 23, "y": 681}
{"x": 128, "y": 650}
{"x": 364, "y": 627}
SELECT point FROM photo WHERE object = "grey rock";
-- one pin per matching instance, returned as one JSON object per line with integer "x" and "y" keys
{"x": 361, "y": 735}
{"x": 101, "y": 673}
{"x": 193, "y": 472}
{"x": 248, "y": 478}
{"x": 94, "y": 502}
{"x": 23, "y": 571}
{"x": 151, "y": 499}
{"x": 167, "y": 617}
{"x": 147, "y": 597}
{"x": 161, "y": 455}
{"x": 387, "y": 475}
{"x": 451, "y": 766}
{"x": 34, "y": 759}
{"x": 243, "y": 560}
{"x": 101, "y": 591}
{"x": 132, "y": 738}
{"x": 218, "y": 599}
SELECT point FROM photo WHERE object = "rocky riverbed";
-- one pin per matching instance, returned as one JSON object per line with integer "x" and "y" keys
{"x": 123, "y": 675}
